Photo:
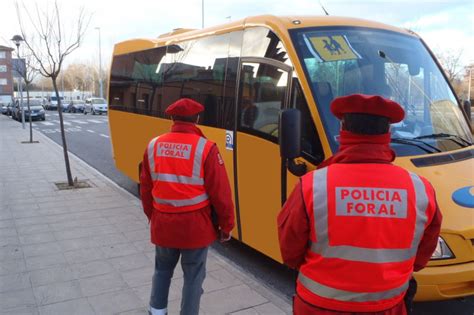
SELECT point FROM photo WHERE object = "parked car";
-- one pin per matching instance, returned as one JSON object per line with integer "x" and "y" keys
{"x": 3, "y": 109}
{"x": 95, "y": 105}
{"x": 36, "y": 108}
{"x": 64, "y": 105}
{"x": 9, "y": 109}
{"x": 76, "y": 106}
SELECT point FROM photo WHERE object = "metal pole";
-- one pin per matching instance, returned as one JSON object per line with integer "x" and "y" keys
{"x": 469, "y": 87}
{"x": 101, "y": 92}
{"x": 21, "y": 89}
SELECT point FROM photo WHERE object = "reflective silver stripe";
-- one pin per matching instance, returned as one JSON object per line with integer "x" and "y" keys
{"x": 322, "y": 247}
{"x": 421, "y": 206}
{"x": 182, "y": 202}
{"x": 198, "y": 157}
{"x": 342, "y": 295}
{"x": 151, "y": 155}
{"x": 171, "y": 178}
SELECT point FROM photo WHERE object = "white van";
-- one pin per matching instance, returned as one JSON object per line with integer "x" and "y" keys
{"x": 53, "y": 101}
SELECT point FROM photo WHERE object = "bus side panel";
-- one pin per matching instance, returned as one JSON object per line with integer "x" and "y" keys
{"x": 130, "y": 134}
{"x": 219, "y": 137}
{"x": 259, "y": 181}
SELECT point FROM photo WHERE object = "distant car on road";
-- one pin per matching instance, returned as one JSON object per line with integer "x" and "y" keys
{"x": 76, "y": 106}
{"x": 64, "y": 105}
{"x": 53, "y": 102}
{"x": 36, "y": 108}
{"x": 95, "y": 105}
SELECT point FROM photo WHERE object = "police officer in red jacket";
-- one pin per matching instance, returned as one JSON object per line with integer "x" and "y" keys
{"x": 358, "y": 226}
{"x": 183, "y": 179}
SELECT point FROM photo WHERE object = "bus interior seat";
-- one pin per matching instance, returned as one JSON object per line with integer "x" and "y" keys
{"x": 266, "y": 91}
{"x": 324, "y": 93}
{"x": 324, "y": 99}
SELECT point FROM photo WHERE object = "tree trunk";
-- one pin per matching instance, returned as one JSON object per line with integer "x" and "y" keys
{"x": 63, "y": 134}
{"x": 27, "y": 85}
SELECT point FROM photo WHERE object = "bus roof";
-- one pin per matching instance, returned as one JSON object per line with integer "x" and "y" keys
{"x": 273, "y": 22}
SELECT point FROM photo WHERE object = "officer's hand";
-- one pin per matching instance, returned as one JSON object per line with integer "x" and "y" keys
{"x": 224, "y": 237}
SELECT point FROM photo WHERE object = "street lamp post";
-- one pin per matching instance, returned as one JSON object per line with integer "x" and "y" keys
{"x": 17, "y": 39}
{"x": 470, "y": 82}
{"x": 101, "y": 92}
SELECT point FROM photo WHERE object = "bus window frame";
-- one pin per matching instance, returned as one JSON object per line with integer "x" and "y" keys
{"x": 286, "y": 104}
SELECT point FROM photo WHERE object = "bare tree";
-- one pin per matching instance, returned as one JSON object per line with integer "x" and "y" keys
{"x": 52, "y": 48}
{"x": 28, "y": 72}
{"x": 451, "y": 63}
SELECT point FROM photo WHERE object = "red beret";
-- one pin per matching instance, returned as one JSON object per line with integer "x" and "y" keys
{"x": 367, "y": 104}
{"x": 184, "y": 107}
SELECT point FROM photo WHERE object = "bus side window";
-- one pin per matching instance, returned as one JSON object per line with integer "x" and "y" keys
{"x": 201, "y": 71}
{"x": 310, "y": 142}
{"x": 262, "y": 96}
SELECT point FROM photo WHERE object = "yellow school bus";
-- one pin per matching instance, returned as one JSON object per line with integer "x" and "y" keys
{"x": 247, "y": 72}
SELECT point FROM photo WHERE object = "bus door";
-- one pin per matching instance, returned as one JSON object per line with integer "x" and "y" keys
{"x": 264, "y": 86}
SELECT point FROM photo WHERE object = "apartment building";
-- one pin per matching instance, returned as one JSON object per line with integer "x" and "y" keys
{"x": 6, "y": 75}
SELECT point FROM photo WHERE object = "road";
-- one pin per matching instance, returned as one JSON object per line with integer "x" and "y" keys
{"x": 88, "y": 138}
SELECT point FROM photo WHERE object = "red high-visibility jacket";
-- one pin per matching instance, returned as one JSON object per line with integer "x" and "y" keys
{"x": 190, "y": 229}
{"x": 176, "y": 163}
{"x": 366, "y": 222}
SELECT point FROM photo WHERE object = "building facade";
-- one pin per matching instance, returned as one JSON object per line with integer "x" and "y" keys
{"x": 6, "y": 75}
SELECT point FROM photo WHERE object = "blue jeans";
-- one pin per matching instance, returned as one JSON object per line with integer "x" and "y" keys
{"x": 193, "y": 263}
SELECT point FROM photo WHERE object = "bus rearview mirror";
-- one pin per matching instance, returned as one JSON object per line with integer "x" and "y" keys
{"x": 290, "y": 133}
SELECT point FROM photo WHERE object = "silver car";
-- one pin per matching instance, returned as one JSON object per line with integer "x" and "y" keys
{"x": 95, "y": 105}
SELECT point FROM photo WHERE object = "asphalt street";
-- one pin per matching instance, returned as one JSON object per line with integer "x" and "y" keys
{"x": 88, "y": 138}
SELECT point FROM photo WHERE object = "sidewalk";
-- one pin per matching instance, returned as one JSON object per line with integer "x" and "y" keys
{"x": 87, "y": 251}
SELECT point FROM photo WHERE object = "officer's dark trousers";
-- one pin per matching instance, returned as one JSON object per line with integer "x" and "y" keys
{"x": 193, "y": 263}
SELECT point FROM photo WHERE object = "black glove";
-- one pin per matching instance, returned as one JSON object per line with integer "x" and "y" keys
{"x": 410, "y": 295}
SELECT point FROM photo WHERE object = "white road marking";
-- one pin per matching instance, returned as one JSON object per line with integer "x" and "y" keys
{"x": 91, "y": 131}
{"x": 105, "y": 136}
{"x": 95, "y": 121}
{"x": 46, "y": 123}
{"x": 81, "y": 122}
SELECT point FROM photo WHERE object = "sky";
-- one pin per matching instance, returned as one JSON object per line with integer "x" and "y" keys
{"x": 446, "y": 25}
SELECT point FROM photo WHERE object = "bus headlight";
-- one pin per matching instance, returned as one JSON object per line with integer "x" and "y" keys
{"x": 442, "y": 250}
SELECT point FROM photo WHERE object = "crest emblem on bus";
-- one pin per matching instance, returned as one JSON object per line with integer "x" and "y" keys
{"x": 464, "y": 196}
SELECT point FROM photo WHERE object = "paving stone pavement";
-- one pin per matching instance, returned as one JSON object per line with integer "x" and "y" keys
{"x": 87, "y": 251}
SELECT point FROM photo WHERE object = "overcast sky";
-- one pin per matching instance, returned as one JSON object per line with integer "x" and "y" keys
{"x": 444, "y": 25}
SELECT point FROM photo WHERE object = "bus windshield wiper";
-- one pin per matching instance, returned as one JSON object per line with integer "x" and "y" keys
{"x": 414, "y": 142}
{"x": 462, "y": 143}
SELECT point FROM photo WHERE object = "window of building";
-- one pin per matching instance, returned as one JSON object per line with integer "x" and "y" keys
{"x": 3, "y": 68}
{"x": 3, "y": 55}
{"x": 3, "y": 82}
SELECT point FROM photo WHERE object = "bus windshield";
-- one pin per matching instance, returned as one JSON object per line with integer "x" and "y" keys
{"x": 342, "y": 61}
